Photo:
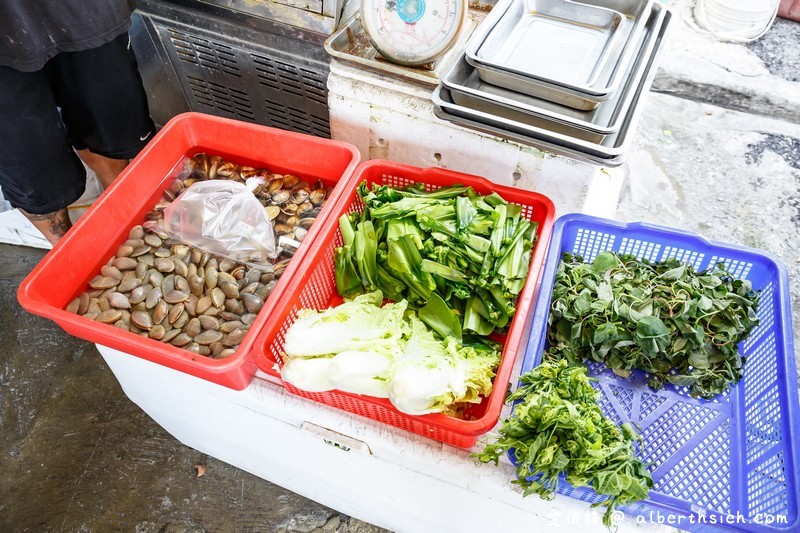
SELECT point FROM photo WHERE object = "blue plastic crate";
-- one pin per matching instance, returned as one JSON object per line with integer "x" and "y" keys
{"x": 727, "y": 464}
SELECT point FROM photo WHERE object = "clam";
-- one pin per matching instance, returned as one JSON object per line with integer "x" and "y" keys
{"x": 280, "y": 197}
{"x": 143, "y": 320}
{"x": 139, "y": 294}
{"x": 213, "y": 164}
{"x": 181, "y": 284}
{"x": 193, "y": 327}
{"x": 317, "y": 196}
{"x": 181, "y": 339}
{"x": 230, "y": 325}
{"x": 203, "y": 304}
{"x": 140, "y": 271}
{"x": 208, "y": 336}
{"x": 282, "y": 229}
{"x": 198, "y": 162}
{"x": 153, "y": 298}
{"x": 152, "y": 240}
{"x": 111, "y": 271}
{"x": 170, "y": 334}
{"x": 217, "y": 297}
{"x": 175, "y": 296}
{"x": 231, "y": 289}
{"x": 227, "y": 352}
{"x": 247, "y": 172}
{"x": 280, "y": 266}
{"x": 124, "y": 263}
{"x": 238, "y": 272}
{"x": 196, "y": 285}
{"x": 163, "y": 264}
{"x": 234, "y": 338}
{"x": 299, "y": 196}
{"x": 252, "y": 302}
{"x": 211, "y": 277}
{"x": 275, "y": 183}
{"x": 119, "y": 301}
{"x": 157, "y": 332}
{"x": 305, "y": 208}
{"x": 129, "y": 284}
{"x": 136, "y": 232}
{"x": 191, "y": 304}
{"x": 124, "y": 250}
{"x": 103, "y": 282}
{"x": 208, "y": 322}
{"x": 176, "y": 187}
{"x": 290, "y": 180}
{"x": 109, "y": 316}
{"x": 181, "y": 321}
{"x": 73, "y": 306}
{"x": 175, "y": 312}
{"x": 272, "y": 211}
{"x": 226, "y": 170}
{"x": 84, "y": 299}
{"x": 160, "y": 312}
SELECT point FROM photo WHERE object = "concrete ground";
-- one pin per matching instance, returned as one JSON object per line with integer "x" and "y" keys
{"x": 717, "y": 152}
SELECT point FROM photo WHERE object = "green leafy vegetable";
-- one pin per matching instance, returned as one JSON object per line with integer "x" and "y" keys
{"x": 557, "y": 429}
{"x": 473, "y": 252}
{"x": 388, "y": 352}
{"x": 679, "y": 325}
{"x": 360, "y": 324}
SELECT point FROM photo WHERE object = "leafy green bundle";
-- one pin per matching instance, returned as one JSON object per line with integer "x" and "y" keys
{"x": 680, "y": 326}
{"x": 558, "y": 429}
{"x": 459, "y": 257}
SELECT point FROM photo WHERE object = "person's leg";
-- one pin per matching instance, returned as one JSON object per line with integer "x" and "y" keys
{"x": 39, "y": 171}
{"x": 107, "y": 169}
{"x": 52, "y": 225}
{"x": 104, "y": 106}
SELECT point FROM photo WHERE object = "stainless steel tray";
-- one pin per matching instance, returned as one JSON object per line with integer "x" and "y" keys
{"x": 467, "y": 89}
{"x": 350, "y": 44}
{"x": 557, "y": 41}
{"x": 608, "y": 152}
{"x": 582, "y": 97}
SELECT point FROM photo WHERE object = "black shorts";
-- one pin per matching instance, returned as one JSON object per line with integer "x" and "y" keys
{"x": 91, "y": 99}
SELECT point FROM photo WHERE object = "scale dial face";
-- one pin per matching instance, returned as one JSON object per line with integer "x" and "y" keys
{"x": 412, "y": 32}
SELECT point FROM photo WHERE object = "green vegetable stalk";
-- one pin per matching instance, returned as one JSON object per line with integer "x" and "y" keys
{"x": 557, "y": 430}
{"x": 451, "y": 250}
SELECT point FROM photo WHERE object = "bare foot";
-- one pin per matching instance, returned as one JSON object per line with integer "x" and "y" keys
{"x": 52, "y": 225}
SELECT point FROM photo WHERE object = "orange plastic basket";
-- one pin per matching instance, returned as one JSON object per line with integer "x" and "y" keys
{"x": 313, "y": 286}
{"x": 66, "y": 270}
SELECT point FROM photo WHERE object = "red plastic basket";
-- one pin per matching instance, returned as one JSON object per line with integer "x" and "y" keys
{"x": 313, "y": 286}
{"x": 66, "y": 270}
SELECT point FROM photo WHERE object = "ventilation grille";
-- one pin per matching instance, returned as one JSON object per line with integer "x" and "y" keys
{"x": 205, "y": 53}
{"x": 270, "y": 89}
{"x": 214, "y": 95}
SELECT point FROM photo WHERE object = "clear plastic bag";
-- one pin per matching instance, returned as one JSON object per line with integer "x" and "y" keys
{"x": 223, "y": 217}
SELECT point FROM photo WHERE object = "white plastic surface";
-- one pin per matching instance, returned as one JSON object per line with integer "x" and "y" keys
{"x": 379, "y": 474}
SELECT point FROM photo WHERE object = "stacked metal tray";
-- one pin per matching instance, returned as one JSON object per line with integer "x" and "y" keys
{"x": 561, "y": 75}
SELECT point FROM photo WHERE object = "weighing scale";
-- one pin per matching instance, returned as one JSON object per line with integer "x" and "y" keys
{"x": 412, "y": 32}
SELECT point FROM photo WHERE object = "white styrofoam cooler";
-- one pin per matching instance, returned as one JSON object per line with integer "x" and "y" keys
{"x": 376, "y": 473}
